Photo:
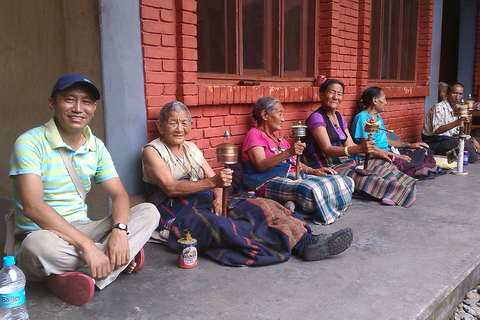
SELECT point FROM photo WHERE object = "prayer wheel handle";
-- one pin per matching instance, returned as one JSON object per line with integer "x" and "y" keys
{"x": 298, "y": 131}
{"x": 371, "y": 127}
{"x": 226, "y": 153}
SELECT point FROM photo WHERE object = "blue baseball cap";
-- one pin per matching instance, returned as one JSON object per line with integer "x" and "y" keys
{"x": 70, "y": 79}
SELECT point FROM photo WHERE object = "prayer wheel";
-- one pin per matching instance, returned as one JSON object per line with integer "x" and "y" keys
{"x": 298, "y": 131}
{"x": 371, "y": 127}
{"x": 470, "y": 102}
{"x": 226, "y": 153}
{"x": 462, "y": 111}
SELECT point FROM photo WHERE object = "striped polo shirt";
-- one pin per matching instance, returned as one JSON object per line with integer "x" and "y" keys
{"x": 36, "y": 152}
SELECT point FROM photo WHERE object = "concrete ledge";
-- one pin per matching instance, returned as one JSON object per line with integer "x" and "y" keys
{"x": 444, "y": 304}
{"x": 404, "y": 263}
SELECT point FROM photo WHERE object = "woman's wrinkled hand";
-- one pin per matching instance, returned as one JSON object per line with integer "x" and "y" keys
{"x": 297, "y": 148}
{"x": 476, "y": 145}
{"x": 223, "y": 178}
{"x": 323, "y": 171}
{"x": 419, "y": 145}
{"x": 367, "y": 146}
{"x": 217, "y": 207}
{"x": 382, "y": 154}
{"x": 404, "y": 157}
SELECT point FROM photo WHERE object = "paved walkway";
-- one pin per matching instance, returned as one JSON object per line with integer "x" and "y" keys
{"x": 414, "y": 263}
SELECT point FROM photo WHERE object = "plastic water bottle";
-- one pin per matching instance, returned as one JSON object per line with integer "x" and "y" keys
{"x": 12, "y": 291}
{"x": 465, "y": 157}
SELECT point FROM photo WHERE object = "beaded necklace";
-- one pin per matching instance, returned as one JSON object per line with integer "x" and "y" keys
{"x": 335, "y": 124}
{"x": 182, "y": 163}
{"x": 275, "y": 139}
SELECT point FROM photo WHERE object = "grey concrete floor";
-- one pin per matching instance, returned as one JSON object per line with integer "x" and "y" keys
{"x": 413, "y": 263}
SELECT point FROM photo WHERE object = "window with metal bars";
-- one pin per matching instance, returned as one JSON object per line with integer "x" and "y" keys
{"x": 256, "y": 39}
{"x": 393, "y": 39}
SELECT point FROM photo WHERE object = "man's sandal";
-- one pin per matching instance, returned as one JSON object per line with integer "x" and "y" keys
{"x": 74, "y": 287}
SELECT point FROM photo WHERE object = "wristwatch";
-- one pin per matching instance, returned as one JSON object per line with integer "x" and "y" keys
{"x": 121, "y": 226}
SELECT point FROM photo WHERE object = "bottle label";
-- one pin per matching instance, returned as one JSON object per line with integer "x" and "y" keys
{"x": 12, "y": 300}
{"x": 465, "y": 158}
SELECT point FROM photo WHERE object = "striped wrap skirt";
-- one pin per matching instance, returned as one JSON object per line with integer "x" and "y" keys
{"x": 385, "y": 182}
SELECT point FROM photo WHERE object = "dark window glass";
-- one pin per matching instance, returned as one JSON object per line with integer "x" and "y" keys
{"x": 293, "y": 34}
{"x": 256, "y": 37}
{"x": 393, "y": 39}
{"x": 253, "y": 34}
{"x": 211, "y": 36}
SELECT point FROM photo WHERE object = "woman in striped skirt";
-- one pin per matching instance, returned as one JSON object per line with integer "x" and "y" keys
{"x": 329, "y": 144}
{"x": 269, "y": 169}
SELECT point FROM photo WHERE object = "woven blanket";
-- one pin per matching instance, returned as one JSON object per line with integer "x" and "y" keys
{"x": 385, "y": 182}
{"x": 420, "y": 158}
{"x": 256, "y": 232}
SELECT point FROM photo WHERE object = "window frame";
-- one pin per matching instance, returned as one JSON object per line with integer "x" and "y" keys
{"x": 243, "y": 76}
{"x": 376, "y": 46}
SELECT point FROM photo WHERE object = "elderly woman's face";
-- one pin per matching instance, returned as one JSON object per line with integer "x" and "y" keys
{"x": 380, "y": 102}
{"x": 332, "y": 97}
{"x": 274, "y": 120}
{"x": 176, "y": 128}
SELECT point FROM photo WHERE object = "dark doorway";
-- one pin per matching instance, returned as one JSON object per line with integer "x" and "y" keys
{"x": 450, "y": 37}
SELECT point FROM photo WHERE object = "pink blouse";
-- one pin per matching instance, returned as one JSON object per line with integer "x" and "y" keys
{"x": 255, "y": 138}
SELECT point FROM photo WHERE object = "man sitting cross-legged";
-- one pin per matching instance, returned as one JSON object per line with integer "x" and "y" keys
{"x": 54, "y": 238}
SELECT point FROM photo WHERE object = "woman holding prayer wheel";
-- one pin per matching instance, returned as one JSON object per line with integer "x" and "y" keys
{"x": 174, "y": 170}
{"x": 329, "y": 144}
{"x": 269, "y": 169}
{"x": 414, "y": 159}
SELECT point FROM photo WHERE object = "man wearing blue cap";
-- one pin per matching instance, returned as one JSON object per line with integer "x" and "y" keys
{"x": 51, "y": 169}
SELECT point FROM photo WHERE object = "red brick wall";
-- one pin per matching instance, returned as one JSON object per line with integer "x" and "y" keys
{"x": 170, "y": 58}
